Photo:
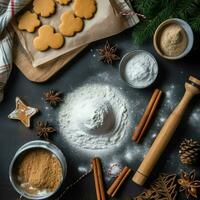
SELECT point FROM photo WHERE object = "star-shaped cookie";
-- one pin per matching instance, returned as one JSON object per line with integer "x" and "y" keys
{"x": 23, "y": 112}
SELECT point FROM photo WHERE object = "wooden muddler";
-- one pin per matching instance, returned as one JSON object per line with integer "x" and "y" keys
{"x": 192, "y": 88}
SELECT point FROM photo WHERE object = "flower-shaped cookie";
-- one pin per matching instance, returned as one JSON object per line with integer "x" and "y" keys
{"x": 44, "y": 7}
{"x": 28, "y": 21}
{"x": 47, "y": 38}
{"x": 63, "y": 2}
{"x": 84, "y": 8}
{"x": 70, "y": 24}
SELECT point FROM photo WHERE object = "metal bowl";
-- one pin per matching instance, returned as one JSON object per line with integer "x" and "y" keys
{"x": 24, "y": 149}
{"x": 126, "y": 58}
{"x": 186, "y": 27}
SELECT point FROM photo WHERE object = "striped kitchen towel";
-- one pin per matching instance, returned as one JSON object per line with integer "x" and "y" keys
{"x": 8, "y": 8}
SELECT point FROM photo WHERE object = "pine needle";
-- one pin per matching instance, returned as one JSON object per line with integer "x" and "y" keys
{"x": 195, "y": 23}
{"x": 146, "y": 29}
{"x": 186, "y": 8}
{"x": 156, "y": 11}
{"x": 148, "y": 8}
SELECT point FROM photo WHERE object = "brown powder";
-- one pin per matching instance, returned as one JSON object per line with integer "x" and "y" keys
{"x": 173, "y": 40}
{"x": 39, "y": 170}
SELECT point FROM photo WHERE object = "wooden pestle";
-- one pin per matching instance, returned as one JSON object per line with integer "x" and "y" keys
{"x": 192, "y": 88}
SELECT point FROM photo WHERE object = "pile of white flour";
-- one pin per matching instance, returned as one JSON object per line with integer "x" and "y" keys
{"x": 93, "y": 116}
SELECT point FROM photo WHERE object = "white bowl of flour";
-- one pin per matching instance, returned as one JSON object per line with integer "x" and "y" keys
{"x": 138, "y": 68}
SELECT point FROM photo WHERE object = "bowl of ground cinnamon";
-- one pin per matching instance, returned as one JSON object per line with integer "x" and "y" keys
{"x": 37, "y": 170}
{"x": 173, "y": 39}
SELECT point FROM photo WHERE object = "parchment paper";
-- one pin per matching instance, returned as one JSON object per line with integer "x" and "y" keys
{"x": 107, "y": 21}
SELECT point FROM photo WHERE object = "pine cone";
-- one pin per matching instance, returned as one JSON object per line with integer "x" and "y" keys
{"x": 189, "y": 151}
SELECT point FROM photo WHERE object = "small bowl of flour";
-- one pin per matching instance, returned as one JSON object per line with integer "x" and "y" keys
{"x": 138, "y": 68}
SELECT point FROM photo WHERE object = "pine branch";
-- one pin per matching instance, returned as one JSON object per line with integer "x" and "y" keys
{"x": 146, "y": 29}
{"x": 148, "y": 8}
{"x": 186, "y": 8}
{"x": 195, "y": 23}
{"x": 157, "y": 11}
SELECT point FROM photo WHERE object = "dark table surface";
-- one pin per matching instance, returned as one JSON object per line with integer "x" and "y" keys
{"x": 171, "y": 79}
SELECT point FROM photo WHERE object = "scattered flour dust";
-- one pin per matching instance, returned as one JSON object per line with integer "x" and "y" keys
{"x": 94, "y": 116}
{"x": 194, "y": 117}
{"x": 114, "y": 169}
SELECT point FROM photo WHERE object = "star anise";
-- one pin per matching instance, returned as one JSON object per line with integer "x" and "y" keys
{"x": 53, "y": 97}
{"x": 188, "y": 184}
{"x": 108, "y": 53}
{"x": 44, "y": 129}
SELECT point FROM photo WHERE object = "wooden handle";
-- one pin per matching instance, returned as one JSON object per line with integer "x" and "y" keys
{"x": 163, "y": 138}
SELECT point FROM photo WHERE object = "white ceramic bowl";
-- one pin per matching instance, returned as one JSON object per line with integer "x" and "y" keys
{"x": 127, "y": 57}
{"x": 188, "y": 32}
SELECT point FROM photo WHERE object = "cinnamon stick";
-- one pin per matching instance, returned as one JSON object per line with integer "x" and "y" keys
{"x": 150, "y": 116}
{"x": 118, "y": 182}
{"x": 98, "y": 179}
{"x": 150, "y": 109}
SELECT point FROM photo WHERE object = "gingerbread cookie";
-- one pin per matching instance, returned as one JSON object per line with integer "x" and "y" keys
{"x": 28, "y": 21}
{"x": 63, "y": 2}
{"x": 84, "y": 8}
{"x": 70, "y": 24}
{"x": 47, "y": 38}
{"x": 23, "y": 112}
{"x": 44, "y": 7}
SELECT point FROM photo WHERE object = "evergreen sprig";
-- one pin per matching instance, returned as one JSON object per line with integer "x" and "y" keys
{"x": 195, "y": 23}
{"x": 156, "y": 11}
{"x": 186, "y": 8}
{"x": 147, "y": 8}
{"x": 146, "y": 29}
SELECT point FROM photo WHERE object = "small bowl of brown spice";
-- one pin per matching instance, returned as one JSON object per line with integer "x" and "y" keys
{"x": 173, "y": 39}
{"x": 37, "y": 170}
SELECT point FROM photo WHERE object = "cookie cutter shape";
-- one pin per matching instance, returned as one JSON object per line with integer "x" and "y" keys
{"x": 47, "y": 38}
{"x": 28, "y": 21}
{"x": 44, "y": 7}
{"x": 70, "y": 24}
{"x": 85, "y": 8}
{"x": 23, "y": 112}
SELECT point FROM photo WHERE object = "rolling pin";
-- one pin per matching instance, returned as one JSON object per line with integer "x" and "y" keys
{"x": 192, "y": 88}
